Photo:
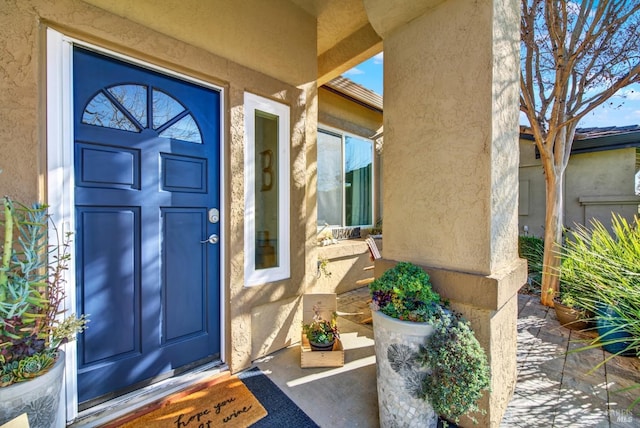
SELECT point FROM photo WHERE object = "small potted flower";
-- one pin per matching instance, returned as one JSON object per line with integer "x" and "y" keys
{"x": 321, "y": 333}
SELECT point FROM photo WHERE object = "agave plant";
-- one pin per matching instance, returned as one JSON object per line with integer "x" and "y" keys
{"x": 32, "y": 325}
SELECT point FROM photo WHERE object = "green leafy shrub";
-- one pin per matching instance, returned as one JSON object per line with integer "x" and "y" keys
{"x": 459, "y": 368}
{"x": 532, "y": 249}
{"x": 404, "y": 292}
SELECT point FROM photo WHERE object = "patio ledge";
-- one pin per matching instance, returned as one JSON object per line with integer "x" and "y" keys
{"x": 489, "y": 292}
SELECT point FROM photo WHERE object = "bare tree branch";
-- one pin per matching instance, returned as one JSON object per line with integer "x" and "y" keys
{"x": 574, "y": 57}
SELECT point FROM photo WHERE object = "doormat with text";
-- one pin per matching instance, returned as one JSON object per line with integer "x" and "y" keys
{"x": 217, "y": 403}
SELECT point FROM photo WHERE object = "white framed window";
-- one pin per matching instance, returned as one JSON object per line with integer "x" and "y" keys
{"x": 266, "y": 181}
{"x": 345, "y": 179}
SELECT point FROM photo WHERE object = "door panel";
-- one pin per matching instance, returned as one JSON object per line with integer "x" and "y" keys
{"x": 114, "y": 292}
{"x": 146, "y": 174}
{"x": 183, "y": 272}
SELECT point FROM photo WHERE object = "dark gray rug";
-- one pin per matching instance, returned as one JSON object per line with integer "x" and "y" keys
{"x": 282, "y": 411}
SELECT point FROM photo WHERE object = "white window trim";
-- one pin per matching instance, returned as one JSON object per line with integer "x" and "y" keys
{"x": 343, "y": 134}
{"x": 253, "y": 276}
{"x": 60, "y": 177}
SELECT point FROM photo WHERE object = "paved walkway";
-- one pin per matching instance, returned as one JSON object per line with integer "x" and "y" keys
{"x": 555, "y": 387}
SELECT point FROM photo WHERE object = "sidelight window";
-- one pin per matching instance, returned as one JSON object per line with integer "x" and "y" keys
{"x": 266, "y": 190}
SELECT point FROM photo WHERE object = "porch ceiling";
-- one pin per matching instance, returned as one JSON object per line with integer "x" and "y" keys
{"x": 337, "y": 19}
{"x": 344, "y": 35}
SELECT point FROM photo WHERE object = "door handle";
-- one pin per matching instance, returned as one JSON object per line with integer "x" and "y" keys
{"x": 212, "y": 239}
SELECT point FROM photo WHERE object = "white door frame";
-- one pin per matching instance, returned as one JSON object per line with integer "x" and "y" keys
{"x": 60, "y": 176}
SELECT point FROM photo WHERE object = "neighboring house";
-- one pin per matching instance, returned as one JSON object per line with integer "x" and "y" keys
{"x": 177, "y": 140}
{"x": 601, "y": 178}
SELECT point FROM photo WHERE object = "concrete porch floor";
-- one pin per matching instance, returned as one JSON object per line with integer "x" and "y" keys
{"x": 554, "y": 388}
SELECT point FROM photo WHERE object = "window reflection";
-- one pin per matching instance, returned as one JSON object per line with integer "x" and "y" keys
{"x": 165, "y": 108}
{"x": 134, "y": 99}
{"x": 329, "y": 179}
{"x": 266, "y": 190}
{"x": 102, "y": 112}
{"x": 185, "y": 129}
{"x": 358, "y": 158}
{"x": 345, "y": 180}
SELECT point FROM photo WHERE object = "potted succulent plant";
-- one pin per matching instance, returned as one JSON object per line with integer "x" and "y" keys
{"x": 33, "y": 325}
{"x": 321, "y": 333}
{"x": 429, "y": 363}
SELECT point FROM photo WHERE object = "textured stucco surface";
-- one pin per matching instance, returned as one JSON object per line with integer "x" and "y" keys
{"x": 461, "y": 181}
{"x": 451, "y": 191}
{"x": 173, "y": 45}
{"x": 441, "y": 172}
{"x": 497, "y": 333}
{"x": 287, "y": 313}
{"x": 596, "y": 184}
{"x": 346, "y": 263}
{"x": 20, "y": 109}
{"x": 261, "y": 35}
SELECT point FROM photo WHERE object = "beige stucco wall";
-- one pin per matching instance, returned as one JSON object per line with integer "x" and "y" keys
{"x": 531, "y": 204}
{"x": 272, "y": 36}
{"x": 266, "y": 50}
{"x": 596, "y": 184}
{"x": 479, "y": 207}
{"x": 347, "y": 264}
{"x": 456, "y": 187}
{"x": 601, "y": 183}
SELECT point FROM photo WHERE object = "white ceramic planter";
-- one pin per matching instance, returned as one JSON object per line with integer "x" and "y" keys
{"x": 38, "y": 397}
{"x": 399, "y": 375}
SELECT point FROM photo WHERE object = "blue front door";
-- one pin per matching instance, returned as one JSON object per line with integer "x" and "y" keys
{"x": 146, "y": 173}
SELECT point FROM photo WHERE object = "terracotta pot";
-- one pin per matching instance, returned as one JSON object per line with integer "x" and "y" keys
{"x": 315, "y": 346}
{"x": 570, "y": 317}
{"x": 399, "y": 374}
{"x": 38, "y": 397}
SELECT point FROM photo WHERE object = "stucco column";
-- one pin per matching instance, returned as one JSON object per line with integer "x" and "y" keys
{"x": 450, "y": 177}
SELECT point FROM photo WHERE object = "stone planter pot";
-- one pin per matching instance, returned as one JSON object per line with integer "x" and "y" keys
{"x": 399, "y": 376}
{"x": 38, "y": 397}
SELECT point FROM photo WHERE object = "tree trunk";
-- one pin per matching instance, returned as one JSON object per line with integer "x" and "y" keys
{"x": 552, "y": 236}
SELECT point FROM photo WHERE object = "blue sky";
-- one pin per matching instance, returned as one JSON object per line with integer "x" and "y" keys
{"x": 621, "y": 110}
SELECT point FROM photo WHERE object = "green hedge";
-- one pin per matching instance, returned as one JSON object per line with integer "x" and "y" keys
{"x": 532, "y": 249}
